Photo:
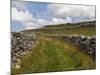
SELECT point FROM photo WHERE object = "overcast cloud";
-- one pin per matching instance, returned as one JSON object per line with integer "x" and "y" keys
{"x": 73, "y": 11}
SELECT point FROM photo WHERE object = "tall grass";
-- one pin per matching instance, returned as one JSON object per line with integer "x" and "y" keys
{"x": 52, "y": 55}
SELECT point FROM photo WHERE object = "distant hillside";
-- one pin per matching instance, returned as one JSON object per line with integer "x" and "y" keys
{"x": 86, "y": 28}
{"x": 70, "y": 25}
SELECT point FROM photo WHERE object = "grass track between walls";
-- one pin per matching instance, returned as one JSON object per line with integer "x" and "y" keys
{"x": 53, "y": 55}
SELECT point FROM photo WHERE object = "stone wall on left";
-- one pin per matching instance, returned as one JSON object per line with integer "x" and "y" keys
{"x": 21, "y": 43}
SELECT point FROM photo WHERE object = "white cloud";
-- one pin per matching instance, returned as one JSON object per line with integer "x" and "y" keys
{"x": 72, "y": 11}
{"x": 20, "y": 5}
{"x": 21, "y": 16}
{"x": 24, "y": 17}
{"x": 61, "y": 14}
{"x": 58, "y": 20}
{"x": 30, "y": 22}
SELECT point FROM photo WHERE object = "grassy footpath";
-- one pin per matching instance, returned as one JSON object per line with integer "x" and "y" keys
{"x": 51, "y": 55}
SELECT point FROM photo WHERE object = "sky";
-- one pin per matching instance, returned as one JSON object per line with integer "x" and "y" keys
{"x": 31, "y": 15}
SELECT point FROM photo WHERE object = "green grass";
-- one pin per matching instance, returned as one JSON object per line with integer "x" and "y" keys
{"x": 52, "y": 55}
{"x": 76, "y": 28}
{"x": 88, "y": 31}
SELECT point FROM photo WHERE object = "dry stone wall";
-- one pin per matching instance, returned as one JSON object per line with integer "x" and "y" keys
{"x": 86, "y": 43}
{"x": 21, "y": 43}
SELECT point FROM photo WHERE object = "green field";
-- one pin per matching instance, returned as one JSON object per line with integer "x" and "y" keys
{"x": 51, "y": 55}
{"x": 67, "y": 29}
